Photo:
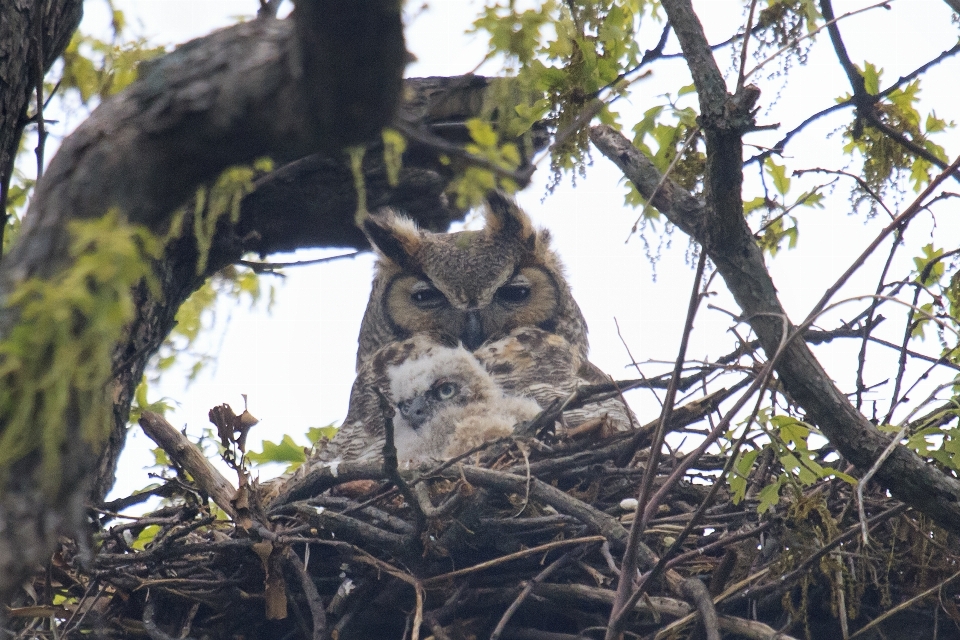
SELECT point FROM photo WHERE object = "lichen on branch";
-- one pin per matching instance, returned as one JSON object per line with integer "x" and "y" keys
{"x": 56, "y": 364}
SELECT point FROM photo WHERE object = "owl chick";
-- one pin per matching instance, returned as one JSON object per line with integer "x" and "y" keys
{"x": 444, "y": 398}
{"x": 448, "y": 404}
{"x": 469, "y": 287}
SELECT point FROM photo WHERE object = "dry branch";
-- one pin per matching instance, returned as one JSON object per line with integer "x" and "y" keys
{"x": 731, "y": 246}
{"x": 328, "y": 77}
{"x": 188, "y": 457}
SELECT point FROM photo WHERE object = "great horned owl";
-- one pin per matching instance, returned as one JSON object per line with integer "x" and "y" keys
{"x": 469, "y": 287}
{"x": 446, "y": 403}
{"x": 448, "y": 400}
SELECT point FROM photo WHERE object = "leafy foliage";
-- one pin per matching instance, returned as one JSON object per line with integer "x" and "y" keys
{"x": 287, "y": 451}
{"x": 799, "y": 465}
{"x": 56, "y": 363}
{"x": 97, "y": 69}
{"x": 476, "y": 182}
{"x": 885, "y": 160}
{"x": 563, "y": 56}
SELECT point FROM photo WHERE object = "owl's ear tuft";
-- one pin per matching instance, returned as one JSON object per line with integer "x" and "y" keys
{"x": 507, "y": 220}
{"x": 395, "y": 237}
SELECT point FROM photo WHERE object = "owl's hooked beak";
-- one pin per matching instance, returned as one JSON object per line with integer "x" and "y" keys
{"x": 414, "y": 411}
{"x": 473, "y": 336}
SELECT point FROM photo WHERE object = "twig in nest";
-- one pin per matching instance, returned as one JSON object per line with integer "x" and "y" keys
{"x": 527, "y": 590}
{"x": 391, "y": 465}
{"x": 628, "y": 567}
{"x": 787, "y": 580}
{"x": 510, "y": 557}
{"x": 604, "y": 524}
{"x": 309, "y": 592}
{"x": 905, "y": 605}
{"x": 722, "y": 542}
{"x": 697, "y": 592}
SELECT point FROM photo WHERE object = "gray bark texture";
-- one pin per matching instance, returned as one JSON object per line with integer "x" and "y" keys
{"x": 327, "y": 78}
{"x": 32, "y": 35}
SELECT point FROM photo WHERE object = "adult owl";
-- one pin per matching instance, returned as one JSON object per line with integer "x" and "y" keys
{"x": 499, "y": 292}
{"x": 445, "y": 403}
{"x": 469, "y": 287}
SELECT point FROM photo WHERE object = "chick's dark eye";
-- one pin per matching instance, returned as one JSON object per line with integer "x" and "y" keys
{"x": 446, "y": 390}
{"x": 427, "y": 297}
{"x": 513, "y": 293}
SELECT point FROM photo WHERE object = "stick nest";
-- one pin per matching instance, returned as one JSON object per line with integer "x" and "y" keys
{"x": 524, "y": 539}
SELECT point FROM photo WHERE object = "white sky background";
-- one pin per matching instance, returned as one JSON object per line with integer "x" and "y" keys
{"x": 297, "y": 364}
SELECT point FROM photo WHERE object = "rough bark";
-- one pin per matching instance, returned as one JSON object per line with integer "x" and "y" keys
{"x": 264, "y": 88}
{"x": 24, "y": 50}
{"x": 718, "y": 224}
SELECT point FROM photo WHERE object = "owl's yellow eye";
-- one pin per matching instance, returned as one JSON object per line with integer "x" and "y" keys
{"x": 513, "y": 293}
{"x": 426, "y": 296}
{"x": 446, "y": 390}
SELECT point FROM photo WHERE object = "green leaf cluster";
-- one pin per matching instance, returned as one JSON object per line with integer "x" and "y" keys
{"x": 885, "y": 161}
{"x": 223, "y": 198}
{"x": 782, "y": 24}
{"x": 936, "y": 280}
{"x": 95, "y": 68}
{"x": 475, "y": 181}
{"x": 562, "y": 56}
{"x": 798, "y": 463}
{"x": 287, "y": 450}
{"x": 678, "y": 136}
{"x": 936, "y": 441}
{"x": 777, "y": 224}
{"x": 56, "y": 364}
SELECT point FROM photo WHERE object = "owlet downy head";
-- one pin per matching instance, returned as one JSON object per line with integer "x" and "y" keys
{"x": 469, "y": 287}
{"x": 447, "y": 403}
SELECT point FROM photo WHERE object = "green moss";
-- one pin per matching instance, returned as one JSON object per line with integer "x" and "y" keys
{"x": 56, "y": 363}
{"x": 223, "y": 197}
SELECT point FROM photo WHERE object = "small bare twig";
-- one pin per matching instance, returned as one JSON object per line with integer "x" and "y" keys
{"x": 391, "y": 465}
{"x": 310, "y": 593}
{"x": 543, "y": 548}
{"x": 527, "y": 590}
{"x": 915, "y": 207}
{"x": 188, "y": 457}
{"x": 743, "y": 47}
{"x": 906, "y": 604}
{"x": 696, "y": 591}
{"x": 628, "y": 567}
{"x": 270, "y": 267}
{"x": 41, "y": 127}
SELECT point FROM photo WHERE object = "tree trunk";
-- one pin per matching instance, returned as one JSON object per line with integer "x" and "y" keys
{"x": 27, "y": 49}
{"x": 327, "y": 78}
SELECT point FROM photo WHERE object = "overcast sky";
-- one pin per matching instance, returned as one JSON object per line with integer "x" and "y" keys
{"x": 296, "y": 364}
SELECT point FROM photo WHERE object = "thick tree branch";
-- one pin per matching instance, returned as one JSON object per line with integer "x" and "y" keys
{"x": 21, "y": 65}
{"x": 741, "y": 265}
{"x": 721, "y": 228}
{"x": 327, "y": 78}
